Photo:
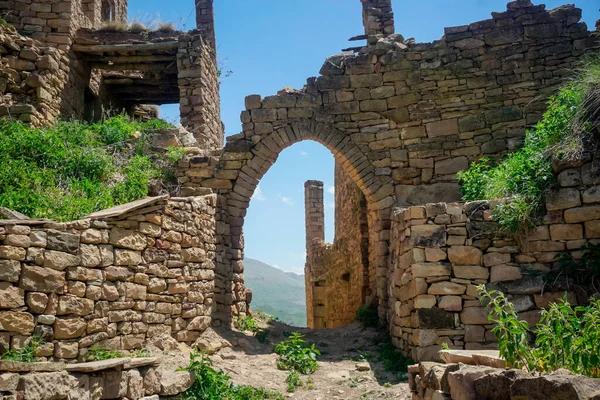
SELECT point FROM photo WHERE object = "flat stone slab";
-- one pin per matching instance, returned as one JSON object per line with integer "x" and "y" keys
{"x": 94, "y": 366}
{"x": 16, "y": 366}
{"x": 125, "y": 208}
{"x": 489, "y": 358}
{"x": 137, "y": 362}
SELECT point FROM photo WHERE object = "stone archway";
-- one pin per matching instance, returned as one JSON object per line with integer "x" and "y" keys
{"x": 262, "y": 151}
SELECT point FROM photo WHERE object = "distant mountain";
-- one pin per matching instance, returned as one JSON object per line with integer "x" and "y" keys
{"x": 276, "y": 292}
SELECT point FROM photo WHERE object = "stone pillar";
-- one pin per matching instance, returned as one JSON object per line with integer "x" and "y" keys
{"x": 315, "y": 233}
{"x": 205, "y": 21}
{"x": 315, "y": 212}
{"x": 378, "y": 17}
{"x": 199, "y": 103}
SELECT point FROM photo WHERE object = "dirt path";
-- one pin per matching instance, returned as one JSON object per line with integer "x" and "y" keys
{"x": 252, "y": 363}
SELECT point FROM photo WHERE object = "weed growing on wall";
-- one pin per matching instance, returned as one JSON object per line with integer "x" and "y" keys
{"x": 210, "y": 384}
{"x": 566, "y": 337}
{"x": 71, "y": 169}
{"x": 98, "y": 354}
{"x": 526, "y": 175}
{"x": 24, "y": 354}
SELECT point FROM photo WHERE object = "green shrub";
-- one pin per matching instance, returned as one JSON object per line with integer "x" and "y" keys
{"x": 296, "y": 354}
{"x": 24, "y": 354}
{"x": 566, "y": 337}
{"x": 248, "y": 324}
{"x": 71, "y": 169}
{"x": 526, "y": 175}
{"x": 367, "y": 316}
{"x": 98, "y": 354}
{"x": 210, "y": 384}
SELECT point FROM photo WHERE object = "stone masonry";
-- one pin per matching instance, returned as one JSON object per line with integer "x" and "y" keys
{"x": 441, "y": 252}
{"x": 67, "y": 65}
{"x": 336, "y": 274}
{"x": 402, "y": 118}
{"x": 114, "y": 280}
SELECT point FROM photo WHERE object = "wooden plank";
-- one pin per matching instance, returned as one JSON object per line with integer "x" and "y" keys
{"x": 135, "y": 67}
{"x": 125, "y": 208}
{"x": 124, "y": 48}
{"x": 131, "y": 59}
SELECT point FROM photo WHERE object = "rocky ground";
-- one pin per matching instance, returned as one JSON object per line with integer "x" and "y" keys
{"x": 344, "y": 352}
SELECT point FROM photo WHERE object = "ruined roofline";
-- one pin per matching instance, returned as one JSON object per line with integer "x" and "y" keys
{"x": 460, "y": 36}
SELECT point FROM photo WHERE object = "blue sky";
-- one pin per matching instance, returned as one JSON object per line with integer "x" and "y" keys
{"x": 269, "y": 44}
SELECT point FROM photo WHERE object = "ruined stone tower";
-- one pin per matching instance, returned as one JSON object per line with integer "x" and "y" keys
{"x": 88, "y": 66}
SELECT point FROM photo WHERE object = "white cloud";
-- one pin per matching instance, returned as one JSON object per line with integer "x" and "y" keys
{"x": 285, "y": 200}
{"x": 304, "y": 154}
{"x": 258, "y": 194}
{"x": 331, "y": 189}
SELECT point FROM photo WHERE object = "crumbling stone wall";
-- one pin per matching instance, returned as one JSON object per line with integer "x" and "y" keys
{"x": 441, "y": 252}
{"x": 402, "y": 118}
{"x": 336, "y": 274}
{"x": 55, "y": 21}
{"x": 38, "y": 82}
{"x": 114, "y": 280}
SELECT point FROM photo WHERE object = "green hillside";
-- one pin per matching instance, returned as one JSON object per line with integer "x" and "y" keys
{"x": 276, "y": 292}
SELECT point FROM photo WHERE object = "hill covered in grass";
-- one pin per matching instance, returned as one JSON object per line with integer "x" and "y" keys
{"x": 68, "y": 170}
{"x": 276, "y": 292}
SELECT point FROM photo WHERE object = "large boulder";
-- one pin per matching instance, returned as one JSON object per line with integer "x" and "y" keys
{"x": 47, "y": 385}
{"x": 555, "y": 387}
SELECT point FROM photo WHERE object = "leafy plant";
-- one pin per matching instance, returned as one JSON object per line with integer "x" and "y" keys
{"x": 526, "y": 175}
{"x": 248, "y": 323}
{"x": 566, "y": 337}
{"x": 293, "y": 381}
{"x": 141, "y": 353}
{"x": 297, "y": 354}
{"x": 98, "y": 354}
{"x": 367, "y": 316}
{"x": 24, "y": 354}
{"x": 512, "y": 333}
{"x": 175, "y": 154}
{"x": 210, "y": 384}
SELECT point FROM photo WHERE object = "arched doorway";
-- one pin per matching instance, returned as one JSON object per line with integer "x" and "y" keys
{"x": 245, "y": 160}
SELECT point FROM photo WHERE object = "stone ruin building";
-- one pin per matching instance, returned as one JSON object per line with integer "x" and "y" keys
{"x": 401, "y": 119}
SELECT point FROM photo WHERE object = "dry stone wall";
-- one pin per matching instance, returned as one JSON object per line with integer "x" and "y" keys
{"x": 337, "y": 274}
{"x": 441, "y": 252}
{"x": 39, "y": 82}
{"x": 112, "y": 282}
{"x": 402, "y": 118}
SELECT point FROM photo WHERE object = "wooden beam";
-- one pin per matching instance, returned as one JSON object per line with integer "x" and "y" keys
{"x": 130, "y": 59}
{"x": 127, "y": 48}
{"x": 163, "y": 67}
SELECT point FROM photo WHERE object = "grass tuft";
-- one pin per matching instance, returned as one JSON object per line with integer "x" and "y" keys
{"x": 114, "y": 26}
{"x": 526, "y": 176}
{"x": 137, "y": 27}
{"x": 165, "y": 27}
